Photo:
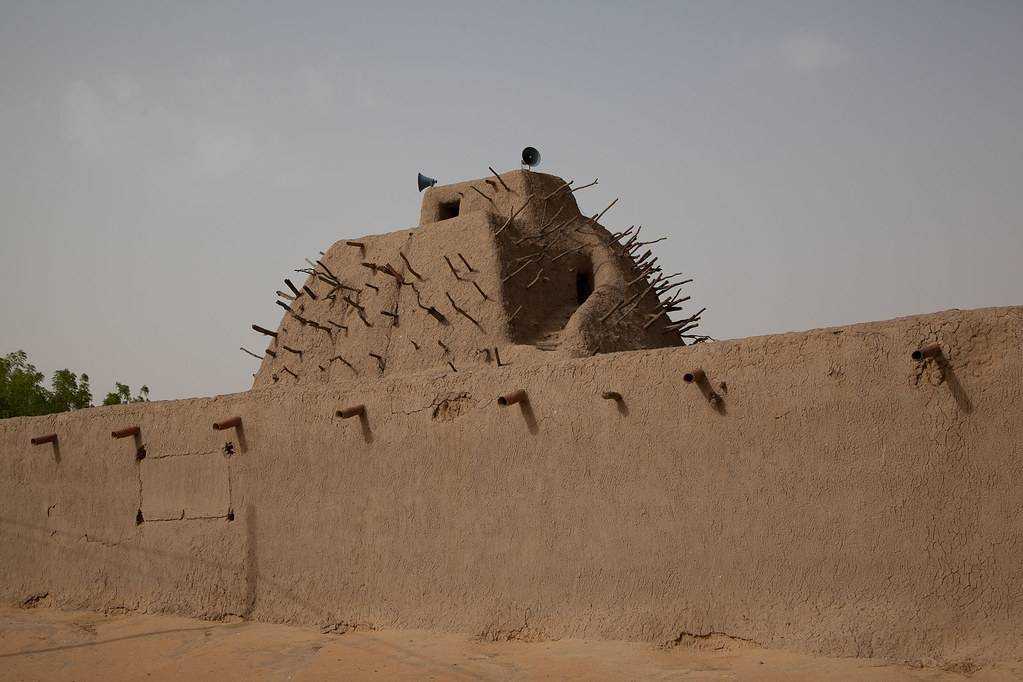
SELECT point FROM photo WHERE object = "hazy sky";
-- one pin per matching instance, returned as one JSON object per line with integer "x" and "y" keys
{"x": 164, "y": 165}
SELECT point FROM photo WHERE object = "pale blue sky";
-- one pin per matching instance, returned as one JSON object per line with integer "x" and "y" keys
{"x": 164, "y": 166}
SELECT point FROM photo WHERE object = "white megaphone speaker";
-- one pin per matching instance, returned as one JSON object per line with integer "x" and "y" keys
{"x": 425, "y": 182}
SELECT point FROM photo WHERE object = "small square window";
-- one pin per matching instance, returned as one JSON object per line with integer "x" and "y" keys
{"x": 448, "y": 209}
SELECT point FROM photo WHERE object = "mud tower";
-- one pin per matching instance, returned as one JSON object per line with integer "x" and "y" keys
{"x": 500, "y": 269}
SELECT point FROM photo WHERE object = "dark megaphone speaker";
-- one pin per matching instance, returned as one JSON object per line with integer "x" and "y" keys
{"x": 530, "y": 156}
{"x": 425, "y": 182}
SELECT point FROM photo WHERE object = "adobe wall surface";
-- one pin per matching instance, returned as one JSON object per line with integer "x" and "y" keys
{"x": 844, "y": 500}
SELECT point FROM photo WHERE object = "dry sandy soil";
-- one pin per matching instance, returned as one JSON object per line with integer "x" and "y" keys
{"x": 45, "y": 644}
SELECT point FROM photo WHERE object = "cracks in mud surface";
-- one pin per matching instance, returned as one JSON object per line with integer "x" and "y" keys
{"x": 182, "y": 454}
{"x": 716, "y": 641}
{"x": 183, "y": 517}
{"x": 342, "y": 627}
{"x": 445, "y": 406}
{"x": 99, "y": 541}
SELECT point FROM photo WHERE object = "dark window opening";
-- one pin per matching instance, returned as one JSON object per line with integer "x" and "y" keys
{"x": 448, "y": 209}
{"x": 583, "y": 286}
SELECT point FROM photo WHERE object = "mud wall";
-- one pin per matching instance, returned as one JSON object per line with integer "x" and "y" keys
{"x": 842, "y": 499}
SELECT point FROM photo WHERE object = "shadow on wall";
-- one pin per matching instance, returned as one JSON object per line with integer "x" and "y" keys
{"x": 251, "y": 562}
{"x": 249, "y": 566}
{"x": 962, "y": 400}
{"x": 251, "y": 569}
{"x": 155, "y": 633}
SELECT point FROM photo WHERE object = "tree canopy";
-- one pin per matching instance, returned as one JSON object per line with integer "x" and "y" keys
{"x": 121, "y": 395}
{"x": 22, "y": 393}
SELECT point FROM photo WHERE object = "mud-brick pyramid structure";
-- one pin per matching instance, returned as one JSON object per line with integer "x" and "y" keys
{"x": 503, "y": 422}
{"x": 498, "y": 269}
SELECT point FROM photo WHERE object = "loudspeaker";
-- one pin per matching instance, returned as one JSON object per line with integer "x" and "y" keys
{"x": 425, "y": 182}
{"x": 530, "y": 156}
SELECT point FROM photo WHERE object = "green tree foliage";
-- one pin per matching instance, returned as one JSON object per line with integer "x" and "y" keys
{"x": 121, "y": 395}
{"x": 21, "y": 387}
{"x": 22, "y": 393}
{"x": 69, "y": 392}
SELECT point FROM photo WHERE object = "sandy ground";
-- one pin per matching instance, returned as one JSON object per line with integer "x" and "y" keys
{"x": 45, "y": 644}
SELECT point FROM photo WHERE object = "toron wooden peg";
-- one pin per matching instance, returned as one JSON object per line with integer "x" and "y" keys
{"x": 353, "y": 411}
{"x": 126, "y": 432}
{"x": 512, "y": 398}
{"x": 41, "y": 440}
{"x": 694, "y": 376}
{"x": 452, "y": 268}
{"x": 409, "y": 266}
{"x": 473, "y": 187}
{"x": 585, "y": 186}
{"x": 931, "y": 351}
{"x": 499, "y": 178}
{"x": 515, "y": 213}
{"x": 338, "y": 357}
{"x": 699, "y": 377}
{"x": 232, "y": 423}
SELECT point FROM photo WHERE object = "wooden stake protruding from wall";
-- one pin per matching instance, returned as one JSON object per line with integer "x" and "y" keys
{"x": 699, "y": 377}
{"x": 353, "y": 411}
{"x": 931, "y": 351}
{"x": 232, "y": 423}
{"x": 694, "y": 376}
{"x": 512, "y": 398}
{"x": 488, "y": 198}
{"x": 515, "y": 213}
{"x": 127, "y": 432}
{"x": 499, "y": 178}
{"x": 42, "y": 440}
{"x": 409, "y": 266}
